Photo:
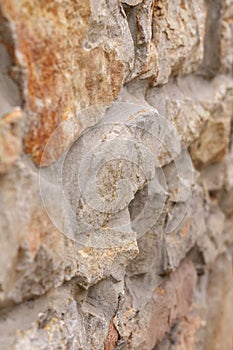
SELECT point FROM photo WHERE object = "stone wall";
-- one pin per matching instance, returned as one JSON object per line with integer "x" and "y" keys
{"x": 116, "y": 174}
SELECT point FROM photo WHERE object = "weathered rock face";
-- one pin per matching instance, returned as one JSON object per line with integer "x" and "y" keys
{"x": 116, "y": 168}
{"x": 62, "y": 71}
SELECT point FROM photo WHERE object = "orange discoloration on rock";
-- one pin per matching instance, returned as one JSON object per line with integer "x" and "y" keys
{"x": 161, "y": 291}
{"x": 184, "y": 230}
{"x": 61, "y": 76}
{"x": 112, "y": 337}
{"x": 12, "y": 117}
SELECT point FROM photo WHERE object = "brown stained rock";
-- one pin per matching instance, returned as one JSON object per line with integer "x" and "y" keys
{"x": 184, "y": 335}
{"x": 209, "y": 149}
{"x": 10, "y": 139}
{"x": 60, "y": 75}
{"x": 187, "y": 333}
{"x": 208, "y": 325}
{"x": 112, "y": 337}
{"x": 144, "y": 326}
{"x": 171, "y": 301}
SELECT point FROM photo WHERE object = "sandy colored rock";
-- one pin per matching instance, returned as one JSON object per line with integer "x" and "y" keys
{"x": 207, "y": 150}
{"x": 213, "y": 143}
{"x": 10, "y": 139}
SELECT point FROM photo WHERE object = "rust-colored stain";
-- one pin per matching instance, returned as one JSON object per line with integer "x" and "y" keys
{"x": 112, "y": 337}
{"x": 60, "y": 77}
{"x": 161, "y": 291}
{"x": 134, "y": 116}
{"x": 185, "y": 229}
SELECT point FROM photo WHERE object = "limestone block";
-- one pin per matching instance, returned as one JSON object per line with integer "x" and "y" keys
{"x": 178, "y": 34}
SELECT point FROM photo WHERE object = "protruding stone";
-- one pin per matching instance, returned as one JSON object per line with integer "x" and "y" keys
{"x": 178, "y": 32}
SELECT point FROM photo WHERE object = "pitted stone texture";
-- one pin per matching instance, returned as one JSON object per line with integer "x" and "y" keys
{"x": 11, "y": 115}
{"x": 202, "y": 224}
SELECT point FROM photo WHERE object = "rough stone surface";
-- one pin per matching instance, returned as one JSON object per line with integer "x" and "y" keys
{"x": 201, "y": 328}
{"x": 144, "y": 322}
{"x": 61, "y": 76}
{"x": 227, "y": 37}
{"x": 178, "y": 32}
{"x": 10, "y": 139}
{"x": 116, "y": 175}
